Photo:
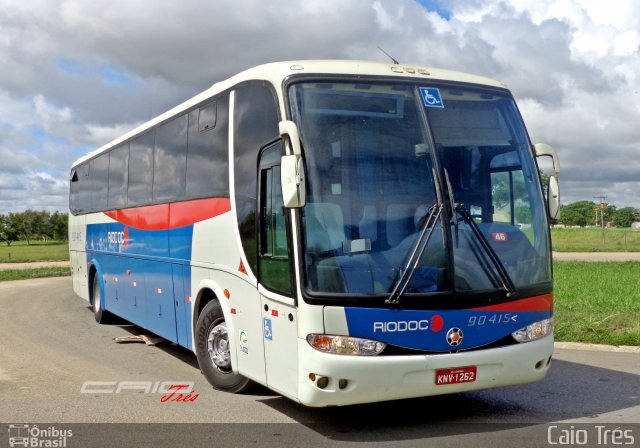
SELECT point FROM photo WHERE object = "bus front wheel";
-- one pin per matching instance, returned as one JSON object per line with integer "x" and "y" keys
{"x": 213, "y": 351}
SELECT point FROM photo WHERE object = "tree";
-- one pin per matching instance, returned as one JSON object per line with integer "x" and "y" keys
{"x": 626, "y": 216}
{"x": 581, "y": 213}
{"x": 30, "y": 224}
{"x": 8, "y": 233}
{"x": 60, "y": 226}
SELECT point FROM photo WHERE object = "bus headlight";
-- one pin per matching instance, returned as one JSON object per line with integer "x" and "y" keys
{"x": 345, "y": 345}
{"x": 534, "y": 331}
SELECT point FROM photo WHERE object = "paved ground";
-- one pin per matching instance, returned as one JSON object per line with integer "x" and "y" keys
{"x": 596, "y": 256}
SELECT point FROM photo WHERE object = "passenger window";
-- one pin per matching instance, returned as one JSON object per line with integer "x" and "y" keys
{"x": 99, "y": 181}
{"x": 80, "y": 196}
{"x": 118, "y": 173}
{"x": 208, "y": 151}
{"x": 207, "y": 117}
{"x": 141, "y": 169}
{"x": 255, "y": 125}
{"x": 170, "y": 160}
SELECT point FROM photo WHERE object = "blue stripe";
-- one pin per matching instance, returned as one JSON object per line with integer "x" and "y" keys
{"x": 427, "y": 330}
{"x": 146, "y": 275}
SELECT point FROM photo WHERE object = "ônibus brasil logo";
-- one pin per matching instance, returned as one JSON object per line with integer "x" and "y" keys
{"x": 32, "y": 436}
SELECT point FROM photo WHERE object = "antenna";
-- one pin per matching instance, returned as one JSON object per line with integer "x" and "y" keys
{"x": 389, "y": 56}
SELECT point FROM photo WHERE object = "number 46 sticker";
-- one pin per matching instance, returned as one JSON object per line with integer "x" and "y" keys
{"x": 431, "y": 97}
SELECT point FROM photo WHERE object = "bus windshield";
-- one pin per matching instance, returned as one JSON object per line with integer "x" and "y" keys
{"x": 381, "y": 158}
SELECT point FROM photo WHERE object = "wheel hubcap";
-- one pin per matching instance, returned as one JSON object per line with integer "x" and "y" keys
{"x": 96, "y": 300}
{"x": 218, "y": 347}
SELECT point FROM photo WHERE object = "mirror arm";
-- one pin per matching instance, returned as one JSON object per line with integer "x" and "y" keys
{"x": 289, "y": 132}
{"x": 542, "y": 149}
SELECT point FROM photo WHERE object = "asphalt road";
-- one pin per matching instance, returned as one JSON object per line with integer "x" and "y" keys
{"x": 50, "y": 346}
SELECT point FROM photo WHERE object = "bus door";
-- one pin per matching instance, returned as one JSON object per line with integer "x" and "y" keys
{"x": 279, "y": 317}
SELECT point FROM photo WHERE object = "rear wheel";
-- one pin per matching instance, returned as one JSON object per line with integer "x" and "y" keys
{"x": 101, "y": 316}
{"x": 213, "y": 351}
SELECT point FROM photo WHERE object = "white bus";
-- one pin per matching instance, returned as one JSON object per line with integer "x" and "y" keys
{"x": 339, "y": 231}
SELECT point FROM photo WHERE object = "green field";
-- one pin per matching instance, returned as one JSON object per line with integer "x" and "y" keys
{"x": 26, "y": 274}
{"x": 20, "y": 251}
{"x": 591, "y": 240}
{"x": 597, "y": 302}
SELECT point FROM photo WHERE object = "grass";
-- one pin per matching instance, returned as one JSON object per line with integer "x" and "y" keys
{"x": 26, "y": 274}
{"x": 591, "y": 240}
{"x": 597, "y": 302}
{"x": 20, "y": 251}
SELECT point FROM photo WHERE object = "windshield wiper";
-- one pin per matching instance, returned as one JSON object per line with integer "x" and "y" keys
{"x": 505, "y": 278}
{"x": 418, "y": 248}
{"x": 406, "y": 273}
{"x": 507, "y": 283}
{"x": 491, "y": 253}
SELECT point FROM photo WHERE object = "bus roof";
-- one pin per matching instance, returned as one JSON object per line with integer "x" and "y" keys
{"x": 275, "y": 72}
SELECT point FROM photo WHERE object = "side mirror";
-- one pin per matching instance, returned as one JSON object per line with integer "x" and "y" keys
{"x": 553, "y": 188}
{"x": 553, "y": 198}
{"x": 292, "y": 181}
{"x": 291, "y": 167}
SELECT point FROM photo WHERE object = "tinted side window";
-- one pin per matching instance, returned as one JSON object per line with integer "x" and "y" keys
{"x": 255, "y": 125}
{"x": 99, "y": 182}
{"x": 118, "y": 174}
{"x": 80, "y": 196}
{"x": 169, "y": 160}
{"x": 140, "y": 169}
{"x": 208, "y": 152}
{"x": 207, "y": 117}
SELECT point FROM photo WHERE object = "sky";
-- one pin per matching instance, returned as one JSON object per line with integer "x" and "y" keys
{"x": 76, "y": 74}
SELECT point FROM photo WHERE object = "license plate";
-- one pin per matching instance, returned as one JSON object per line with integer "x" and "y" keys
{"x": 456, "y": 375}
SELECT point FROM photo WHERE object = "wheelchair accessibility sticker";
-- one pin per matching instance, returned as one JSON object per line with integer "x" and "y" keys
{"x": 268, "y": 333}
{"x": 431, "y": 97}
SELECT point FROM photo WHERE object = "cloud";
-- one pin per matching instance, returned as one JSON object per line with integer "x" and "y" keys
{"x": 77, "y": 74}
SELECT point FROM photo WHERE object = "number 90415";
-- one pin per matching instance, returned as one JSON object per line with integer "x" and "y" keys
{"x": 493, "y": 319}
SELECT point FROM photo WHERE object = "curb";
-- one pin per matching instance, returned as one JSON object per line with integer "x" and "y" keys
{"x": 596, "y": 347}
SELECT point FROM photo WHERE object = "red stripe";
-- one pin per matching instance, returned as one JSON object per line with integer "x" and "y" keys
{"x": 537, "y": 303}
{"x": 171, "y": 216}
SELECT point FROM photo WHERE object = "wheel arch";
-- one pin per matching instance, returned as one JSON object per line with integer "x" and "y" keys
{"x": 209, "y": 290}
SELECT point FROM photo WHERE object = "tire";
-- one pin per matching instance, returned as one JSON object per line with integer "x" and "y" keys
{"x": 212, "y": 350}
{"x": 101, "y": 316}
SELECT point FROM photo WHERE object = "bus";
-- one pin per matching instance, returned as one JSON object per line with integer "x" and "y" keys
{"x": 340, "y": 232}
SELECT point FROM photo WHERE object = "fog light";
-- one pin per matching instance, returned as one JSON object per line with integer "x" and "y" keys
{"x": 342, "y": 384}
{"x": 534, "y": 331}
{"x": 322, "y": 382}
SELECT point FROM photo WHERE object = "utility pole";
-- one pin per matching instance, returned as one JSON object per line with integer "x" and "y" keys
{"x": 602, "y": 205}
